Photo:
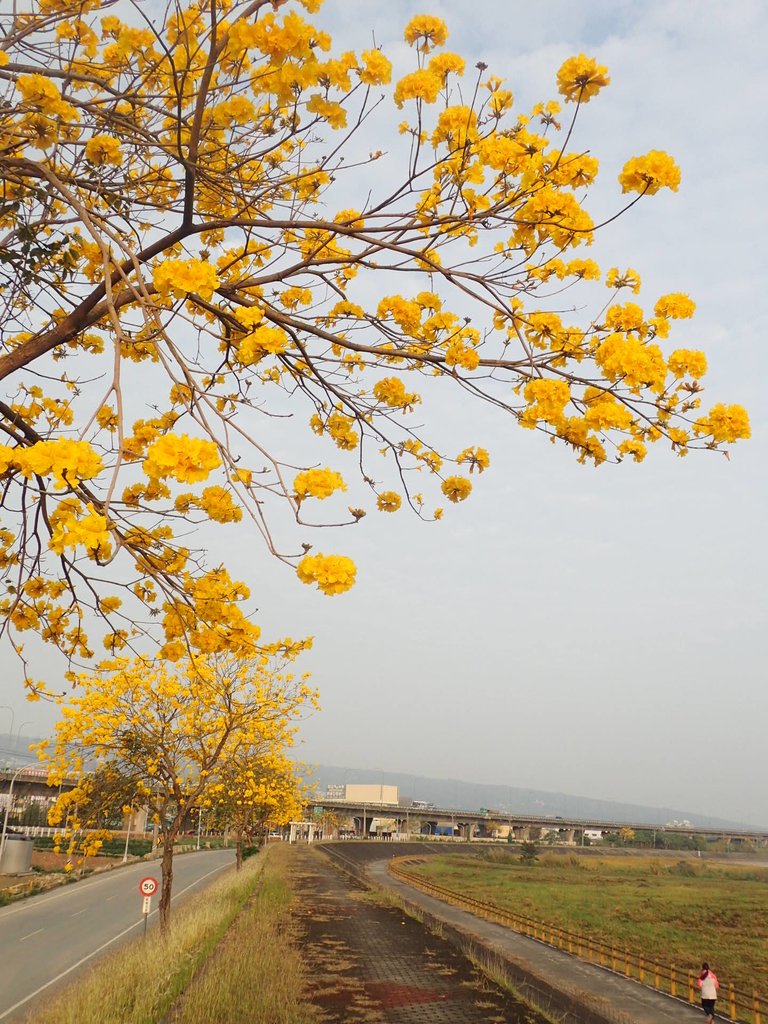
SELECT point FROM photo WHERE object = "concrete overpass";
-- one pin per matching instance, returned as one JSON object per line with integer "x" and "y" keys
{"x": 470, "y": 824}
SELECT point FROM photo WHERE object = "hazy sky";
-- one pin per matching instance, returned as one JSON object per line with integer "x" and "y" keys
{"x": 600, "y": 632}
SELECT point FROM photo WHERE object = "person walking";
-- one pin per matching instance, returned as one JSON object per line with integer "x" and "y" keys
{"x": 709, "y": 985}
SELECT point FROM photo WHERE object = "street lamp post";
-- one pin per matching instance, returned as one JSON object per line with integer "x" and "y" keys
{"x": 18, "y": 735}
{"x": 127, "y": 835}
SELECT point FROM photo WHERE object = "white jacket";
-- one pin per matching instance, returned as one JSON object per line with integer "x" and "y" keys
{"x": 709, "y": 986}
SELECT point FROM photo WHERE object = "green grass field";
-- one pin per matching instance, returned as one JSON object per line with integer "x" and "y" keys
{"x": 677, "y": 912}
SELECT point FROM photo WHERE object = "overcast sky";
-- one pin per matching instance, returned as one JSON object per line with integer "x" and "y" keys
{"x": 597, "y": 632}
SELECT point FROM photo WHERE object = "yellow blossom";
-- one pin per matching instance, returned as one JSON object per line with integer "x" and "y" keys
{"x": 684, "y": 362}
{"x": 186, "y": 459}
{"x": 184, "y": 276}
{"x": 388, "y": 501}
{"x": 426, "y": 30}
{"x": 217, "y": 503}
{"x": 456, "y": 488}
{"x": 476, "y": 458}
{"x": 103, "y": 149}
{"x": 318, "y": 483}
{"x": 675, "y": 306}
{"x": 580, "y": 78}
{"x": 628, "y": 278}
{"x": 649, "y": 173}
{"x": 376, "y": 69}
{"x": 333, "y": 574}
{"x": 391, "y": 391}
{"x": 634, "y": 448}
{"x": 727, "y": 423}
{"x": 418, "y": 85}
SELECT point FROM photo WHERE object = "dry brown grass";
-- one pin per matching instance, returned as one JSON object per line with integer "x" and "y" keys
{"x": 228, "y": 959}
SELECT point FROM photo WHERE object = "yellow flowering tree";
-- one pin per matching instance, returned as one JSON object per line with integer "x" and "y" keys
{"x": 253, "y": 792}
{"x": 170, "y": 729}
{"x": 87, "y": 814}
{"x": 177, "y": 229}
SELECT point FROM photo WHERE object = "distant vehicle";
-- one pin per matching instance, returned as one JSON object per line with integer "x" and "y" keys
{"x": 422, "y": 805}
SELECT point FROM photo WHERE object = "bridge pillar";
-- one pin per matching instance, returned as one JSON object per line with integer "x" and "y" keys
{"x": 522, "y": 833}
{"x": 570, "y": 836}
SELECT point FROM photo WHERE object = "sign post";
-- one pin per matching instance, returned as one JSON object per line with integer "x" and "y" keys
{"x": 147, "y": 888}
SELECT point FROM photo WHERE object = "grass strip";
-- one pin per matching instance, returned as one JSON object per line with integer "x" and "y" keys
{"x": 675, "y": 911}
{"x": 138, "y": 983}
{"x": 256, "y": 974}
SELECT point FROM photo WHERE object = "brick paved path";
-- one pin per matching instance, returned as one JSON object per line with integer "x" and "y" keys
{"x": 371, "y": 964}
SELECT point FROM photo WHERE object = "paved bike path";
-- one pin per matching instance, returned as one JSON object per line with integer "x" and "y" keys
{"x": 600, "y": 992}
{"x": 369, "y": 963}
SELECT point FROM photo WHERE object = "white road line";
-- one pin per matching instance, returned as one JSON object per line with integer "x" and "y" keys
{"x": 111, "y": 898}
{"x": 25, "y": 937}
{"x": 103, "y": 946}
{"x": 77, "y": 913}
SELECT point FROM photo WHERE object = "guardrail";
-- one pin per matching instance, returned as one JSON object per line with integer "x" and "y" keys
{"x": 680, "y": 984}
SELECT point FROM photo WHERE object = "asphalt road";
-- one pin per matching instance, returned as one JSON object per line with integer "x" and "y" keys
{"x": 45, "y": 939}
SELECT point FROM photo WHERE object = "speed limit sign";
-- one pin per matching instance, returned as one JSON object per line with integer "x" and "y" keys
{"x": 148, "y": 886}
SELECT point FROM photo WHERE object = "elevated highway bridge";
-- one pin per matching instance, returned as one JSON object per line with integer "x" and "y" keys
{"x": 474, "y": 824}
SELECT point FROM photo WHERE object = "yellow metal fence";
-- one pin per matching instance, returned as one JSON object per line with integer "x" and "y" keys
{"x": 741, "y": 1006}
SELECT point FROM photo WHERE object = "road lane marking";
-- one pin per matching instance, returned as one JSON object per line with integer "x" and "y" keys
{"x": 104, "y": 946}
{"x": 77, "y": 913}
{"x": 25, "y": 937}
{"x": 111, "y": 898}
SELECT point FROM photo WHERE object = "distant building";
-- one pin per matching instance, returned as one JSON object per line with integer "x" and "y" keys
{"x": 368, "y": 793}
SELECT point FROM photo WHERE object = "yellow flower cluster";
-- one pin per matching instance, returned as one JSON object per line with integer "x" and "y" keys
{"x": 456, "y": 488}
{"x": 477, "y": 459}
{"x": 103, "y": 149}
{"x": 376, "y": 69}
{"x": 186, "y": 459}
{"x": 69, "y": 530}
{"x": 426, "y": 30}
{"x": 626, "y": 358}
{"x": 675, "y": 306}
{"x": 649, "y": 173}
{"x": 340, "y": 428}
{"x": 317, "y": 483}
{"x": 388, "y": 501}
{"x": 726, "y": 423}
{"x": 391, "y": 391}
{"x": 265, "y": 340}
{"x": 418, "y": 85}
{"x": 685, "y": 362}
{"x": 217, "y": 503}
{"x": 333, "y": 574}
{"x": 547, "y": 401}
{"x": 628, "y": 278}
{"x": 182, "y": 277}
{"x": 580, "y": 78}
{"x": 68, "y": 462}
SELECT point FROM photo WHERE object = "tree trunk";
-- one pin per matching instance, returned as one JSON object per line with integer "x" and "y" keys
{"x": 239, "y": 852}
{"x": 166, "y": 867}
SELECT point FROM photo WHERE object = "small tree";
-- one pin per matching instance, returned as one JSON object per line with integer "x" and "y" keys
{"x": 170, "y": 730}
{"x": 252, "y": 792}
{"x": 529, "y": 852}
{"x": 87, "y": 813}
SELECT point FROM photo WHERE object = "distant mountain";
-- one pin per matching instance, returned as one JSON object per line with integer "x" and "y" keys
{"x": 450, "y": 793}
{"x": 14, "y": 750}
